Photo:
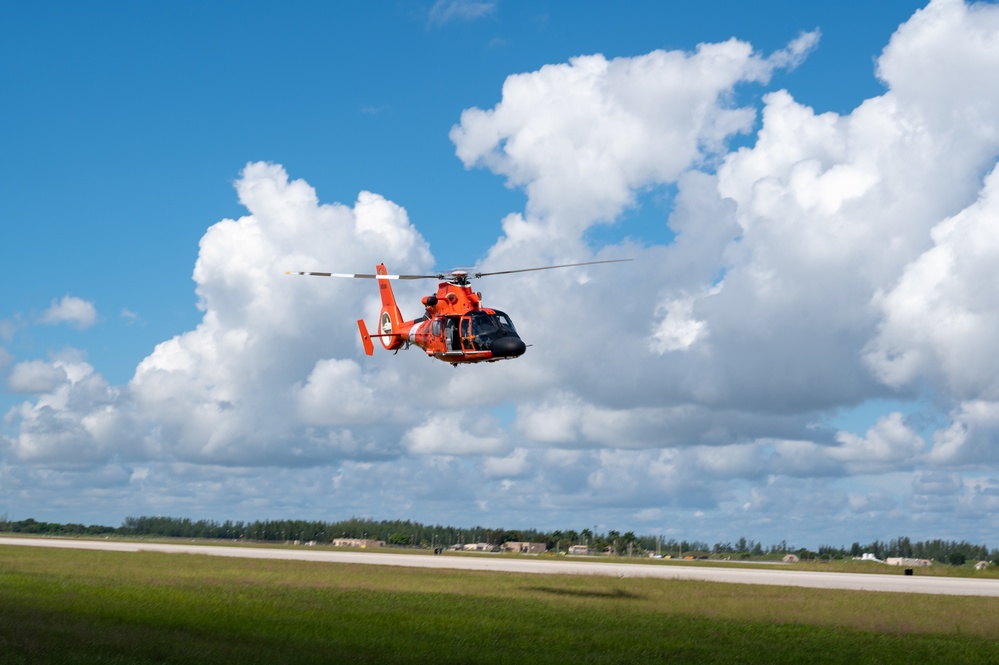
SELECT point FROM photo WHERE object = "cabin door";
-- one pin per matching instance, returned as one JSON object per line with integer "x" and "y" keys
{"x": 466, "y": 334}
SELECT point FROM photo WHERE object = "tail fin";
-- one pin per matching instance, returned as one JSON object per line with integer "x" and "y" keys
{"x": 390, "y": 319}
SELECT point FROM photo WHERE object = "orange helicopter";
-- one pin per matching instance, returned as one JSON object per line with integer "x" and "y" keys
{"x": 455, "y": 327}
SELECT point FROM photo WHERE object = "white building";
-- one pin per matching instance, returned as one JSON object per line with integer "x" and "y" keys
{"x": 357, "y": 542}
{"x": 908, "y": 563}
{"x": 524, "y": 548}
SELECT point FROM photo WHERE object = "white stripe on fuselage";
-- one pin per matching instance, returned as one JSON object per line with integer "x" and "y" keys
{"x": 416, "y": 329}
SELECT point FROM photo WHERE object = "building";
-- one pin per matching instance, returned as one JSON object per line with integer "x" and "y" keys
{"x": 908, "y": 563}
{"x": 867, "y": 556}
{"x": 357, "y": 542}
{"x": 579, "y": 549}
{"x": 480, "y": 547}
{"x": 524, "y": 548}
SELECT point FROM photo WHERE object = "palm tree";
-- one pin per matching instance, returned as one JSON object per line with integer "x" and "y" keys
{"x": 613, "y": 536}
{"x": 629, "y": 539}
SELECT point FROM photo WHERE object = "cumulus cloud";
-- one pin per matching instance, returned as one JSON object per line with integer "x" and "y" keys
{"x": 940, "y": 319}
{"x": 447, "y": 434}
{"x": 76, "y": 419}
{"x": 71, "y": 310}
{"x": 840, "y": 258}
{"x": 581, "y": 138}
{"x": 268, "y": 376}
{"x": 889, "y": 445}
{"x": 271, "y": 349}
{"x": 970, "y": 440}
{"x": 835, "y": 260}
{"x": 513, "y": 465}
{"x": 677, "y": 330}
{"x": 35, "y": 376}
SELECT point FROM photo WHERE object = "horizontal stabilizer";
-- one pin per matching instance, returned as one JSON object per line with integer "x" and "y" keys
{"x": 369, "y": 347}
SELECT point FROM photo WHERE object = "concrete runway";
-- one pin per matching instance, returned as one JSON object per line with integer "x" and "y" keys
{"x": 921, "y": 582}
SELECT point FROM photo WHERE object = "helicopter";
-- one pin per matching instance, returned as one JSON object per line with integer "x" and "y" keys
{"x": 455, "y": 327}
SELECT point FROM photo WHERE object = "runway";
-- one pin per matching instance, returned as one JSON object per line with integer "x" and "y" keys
{"x": 921, "y": 582}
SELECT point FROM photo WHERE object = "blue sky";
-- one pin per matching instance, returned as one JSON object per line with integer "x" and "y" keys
{"x": 802, "y": 350}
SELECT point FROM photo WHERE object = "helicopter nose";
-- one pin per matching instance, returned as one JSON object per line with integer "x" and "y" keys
{"x": 508, "y": 347}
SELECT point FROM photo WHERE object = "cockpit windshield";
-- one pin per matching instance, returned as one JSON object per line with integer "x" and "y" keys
{"x": 489, "y": 327}
{"x": 505, "y": 323}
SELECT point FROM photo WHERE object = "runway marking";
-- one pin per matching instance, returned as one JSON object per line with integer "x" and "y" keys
{"x": 920, "y": 583}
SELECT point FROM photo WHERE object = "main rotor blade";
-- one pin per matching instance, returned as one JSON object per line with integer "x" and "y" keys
{"x": 364, "y": 276}
{"x": 450, "y": 274}
{"x": 564, "y": 265}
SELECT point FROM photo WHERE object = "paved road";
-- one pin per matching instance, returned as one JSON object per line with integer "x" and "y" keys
{"x": 779, "y": 576}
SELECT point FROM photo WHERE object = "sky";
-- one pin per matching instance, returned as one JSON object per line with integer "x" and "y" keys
{"x": 804, "y": 347}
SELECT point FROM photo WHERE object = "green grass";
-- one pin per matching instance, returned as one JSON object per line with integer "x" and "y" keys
{"x": 71, "y": 606}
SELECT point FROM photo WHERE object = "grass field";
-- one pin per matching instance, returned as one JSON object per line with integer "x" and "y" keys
{"x": 77, "y": 606}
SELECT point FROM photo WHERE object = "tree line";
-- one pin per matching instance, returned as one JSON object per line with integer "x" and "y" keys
{"x": 54, "y": 529}
{"x": 407, "y": 533}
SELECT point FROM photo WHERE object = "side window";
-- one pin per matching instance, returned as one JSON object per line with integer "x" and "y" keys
{"x": 435, "y": 328}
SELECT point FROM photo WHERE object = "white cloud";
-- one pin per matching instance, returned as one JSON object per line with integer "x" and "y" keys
{"x": 942, "y": 317}
{"x": 796, "y": 52}
{"x": 970, "y": 440}
{"x": 920, "y": 62}
{"x": 35, "y": 376}
{"x": 76, "y": 419}
{"x": 516, "y": 464}
{"x": 447, "y": 434}
{"x": 250, "y": 383}
{"x": 335, "y": 393}
{"x": 889, "y": 445}
{"x": 272, "y": 347}
{"x": 72, "y": 310}
{"x": 446, "y": 11}
{"x": 582, "y": 137}
{"x": 678, "y": 330}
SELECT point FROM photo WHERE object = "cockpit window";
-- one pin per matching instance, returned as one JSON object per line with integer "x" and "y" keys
{"x": 484, "y": 324}
{"x": 504, "y": 322}
{"x": 488, "y": 327}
